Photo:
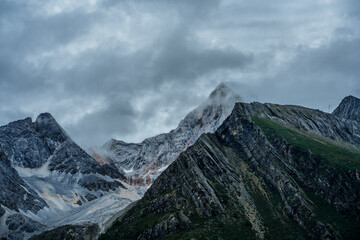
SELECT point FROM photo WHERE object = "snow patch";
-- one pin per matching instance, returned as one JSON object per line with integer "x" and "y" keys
{"x": 160, "y": 170}
{"x": 43, "y": 171}
{"x": 129, "y": 171}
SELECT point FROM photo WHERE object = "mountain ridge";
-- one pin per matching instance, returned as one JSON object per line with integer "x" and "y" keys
{"x": 195, "y": 197}
{"x": 235, "y": 158}
{"x": 143, "y": 162}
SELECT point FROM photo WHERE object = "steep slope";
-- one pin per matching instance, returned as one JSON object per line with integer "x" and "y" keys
{"x": 16, "y": 194}
{"x": 349, "y": 108}
{"x": 70, "y": 232}
{"x": 143, "y": 162}
{"x": 269, "y": 172}
{"x": 47, "y": 180}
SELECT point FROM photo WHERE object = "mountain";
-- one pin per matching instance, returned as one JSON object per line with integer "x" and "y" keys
{"x": 56, "y": 187}
{"x": 268, "y": 172}
{"x": 47, "y": 180}
{"x": 144, "y": 161}
{"x": 349, "y": 108}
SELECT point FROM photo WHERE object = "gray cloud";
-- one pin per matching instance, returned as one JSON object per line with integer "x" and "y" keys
{"x": 132, "y": 69}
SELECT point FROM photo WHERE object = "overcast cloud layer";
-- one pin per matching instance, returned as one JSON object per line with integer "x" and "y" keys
{"x": 132, "y": 69}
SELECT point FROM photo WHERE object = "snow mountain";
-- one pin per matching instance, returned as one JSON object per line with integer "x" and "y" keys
{"x": 47, "y": 180}
{"x": 143, "y": 162}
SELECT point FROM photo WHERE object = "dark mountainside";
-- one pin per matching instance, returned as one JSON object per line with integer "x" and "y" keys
{"x": 269, "y": 172}
{"x": 70, "y": 232}
{"x": 349, "y": 108}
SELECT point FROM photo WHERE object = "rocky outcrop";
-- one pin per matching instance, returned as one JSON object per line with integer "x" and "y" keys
{"x": 269, "y": 172}
{"x": 47, "y": 127}
{"x": 349, "y": 108}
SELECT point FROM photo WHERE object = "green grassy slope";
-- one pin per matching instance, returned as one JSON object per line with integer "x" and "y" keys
{"x": 333, "y": 155}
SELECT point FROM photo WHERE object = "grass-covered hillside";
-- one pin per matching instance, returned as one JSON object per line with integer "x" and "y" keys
{"x": 334, "y": 156}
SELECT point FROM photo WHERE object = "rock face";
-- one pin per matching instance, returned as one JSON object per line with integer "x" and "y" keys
{"x": 143, "y": 162}
{"x": 349, "y": 108}
{"x": 15, "y": 193}
{"x": 47, "y": 180}
{"x": 268, "y": 172}
{"x": 21, "y": 227}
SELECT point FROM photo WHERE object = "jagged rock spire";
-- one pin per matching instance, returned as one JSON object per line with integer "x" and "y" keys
{"x": 47, "y": 126}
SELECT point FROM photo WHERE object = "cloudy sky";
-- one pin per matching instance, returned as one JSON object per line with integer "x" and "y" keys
{"x": 131, "y": 69}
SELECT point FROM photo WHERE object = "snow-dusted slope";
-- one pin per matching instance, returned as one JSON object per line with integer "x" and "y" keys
{"x": 46, "y": 180}
{"x": 143, "y": 162}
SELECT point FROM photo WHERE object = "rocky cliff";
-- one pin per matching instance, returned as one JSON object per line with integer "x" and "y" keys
{"x": 269, "y": 172}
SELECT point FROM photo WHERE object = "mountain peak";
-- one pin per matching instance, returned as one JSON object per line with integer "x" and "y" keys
{"x": 48, "y": 126}
{"x": 351, "y": 98}
{"x": 44, "y": 118}
{"x": 348, "y": 108}
{"x": 222, "y": 93}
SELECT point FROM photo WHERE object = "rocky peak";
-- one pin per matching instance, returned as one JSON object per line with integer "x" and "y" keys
{"x": 45, "y": 118}
{"x": 349, "y": 108}
{"x": 47, "y": 126}
{"x": 223, "y": 94}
